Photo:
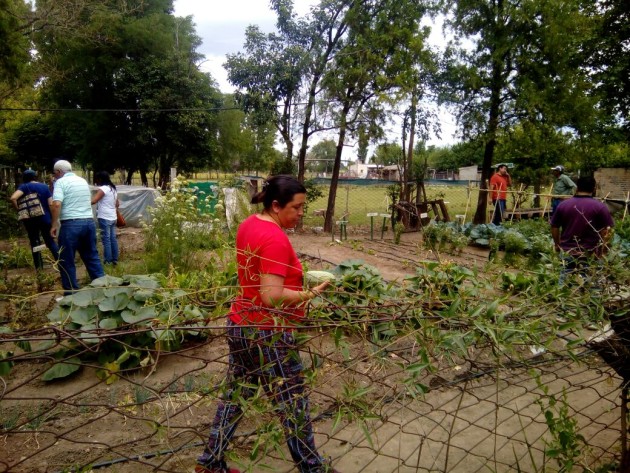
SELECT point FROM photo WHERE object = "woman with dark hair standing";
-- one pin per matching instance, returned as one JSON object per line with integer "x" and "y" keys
{"x": 106, "y": 200}
{"x": 40, "y": 225}
{"x": 260, "y": 329}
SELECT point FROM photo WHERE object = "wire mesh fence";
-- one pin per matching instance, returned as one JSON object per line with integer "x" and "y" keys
{"x": 396, "y": 385}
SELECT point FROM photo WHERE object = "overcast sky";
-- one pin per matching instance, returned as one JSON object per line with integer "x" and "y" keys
{"x": 221, "y": 25}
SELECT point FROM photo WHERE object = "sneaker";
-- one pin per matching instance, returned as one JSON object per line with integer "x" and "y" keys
{"x": 213, "y": 469}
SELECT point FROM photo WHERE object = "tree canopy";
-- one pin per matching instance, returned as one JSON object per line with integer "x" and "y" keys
{"x": 118, "y": 85}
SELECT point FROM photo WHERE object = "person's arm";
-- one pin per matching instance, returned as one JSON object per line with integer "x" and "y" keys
{"x": 15, "y": 196}
{"x": 555, "y": 234}
{"x": 55, "y": 211}
{"x": 97, "y": 196}
{"x": 274, "y": 294}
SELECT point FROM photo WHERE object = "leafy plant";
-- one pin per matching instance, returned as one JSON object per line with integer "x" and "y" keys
{"x": 566, "y": 442}
{"x": 443, "y": 280}
{"x": 180, "y": 226}
{"x": 123, "y": 321}
{"x": 19, "y": 256}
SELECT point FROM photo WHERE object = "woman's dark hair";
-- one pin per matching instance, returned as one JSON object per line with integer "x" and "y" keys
{"x": 102, "y": 179}
{"x": 280, "y": 188}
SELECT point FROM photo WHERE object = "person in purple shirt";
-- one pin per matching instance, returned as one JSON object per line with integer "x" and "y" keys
{"x": 37, "y": 228}
{"x": 580, "y": 227}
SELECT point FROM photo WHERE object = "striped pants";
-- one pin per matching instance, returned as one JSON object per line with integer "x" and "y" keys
{"x": 268, "y": 357}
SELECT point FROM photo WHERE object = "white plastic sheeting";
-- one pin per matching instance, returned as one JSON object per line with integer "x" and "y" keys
{"x": 134, "y": 203}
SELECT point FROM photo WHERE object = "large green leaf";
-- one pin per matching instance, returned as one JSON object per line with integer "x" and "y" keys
{"x": 83, "y": 315}
{"x": 143, "y": 294}
{"x": 87, "y": 296}
{"x": 134, "y": 305}
{"x": 143, "y": 314}
{"x": 147, "y": 282}
{"x": 88, "y": 335}
{"x": 114, "y": 291}
{"x": 5, "y": 366}
{"x": 62, "y": 369}
{"x": 109, "y": 323}
{"x": 58, "y": 314}
{"x": 111, "y": 304}
{"x": 107, "y": 281}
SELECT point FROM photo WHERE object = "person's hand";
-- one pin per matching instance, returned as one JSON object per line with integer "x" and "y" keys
{"x": 53, "y": 231}
{"x": 317, "y": 290}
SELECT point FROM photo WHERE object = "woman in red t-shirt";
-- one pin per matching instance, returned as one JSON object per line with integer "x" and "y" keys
{"x": 260, "y": 329}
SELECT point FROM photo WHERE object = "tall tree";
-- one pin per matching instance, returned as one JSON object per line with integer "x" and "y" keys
{"x": 14, "y": 46}
{"x": 278, "y": 70}
{"x": 524, "y": 64}
{"x": 371, "y": 62}
{"x": 127, "y": 75}
{"x": 321, "y": 156}
{"x": 610, "y": 59}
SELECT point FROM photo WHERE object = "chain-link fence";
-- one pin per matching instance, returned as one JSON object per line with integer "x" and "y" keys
{"x": 443, "y": 375}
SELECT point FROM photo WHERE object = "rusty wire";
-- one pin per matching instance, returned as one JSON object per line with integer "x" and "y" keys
{"x": 480, "y": 411}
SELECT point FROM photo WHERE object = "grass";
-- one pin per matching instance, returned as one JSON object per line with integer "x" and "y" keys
{"x": 358, "y": 201}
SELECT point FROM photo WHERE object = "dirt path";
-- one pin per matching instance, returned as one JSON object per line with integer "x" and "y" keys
{"x": 394, "y": 261}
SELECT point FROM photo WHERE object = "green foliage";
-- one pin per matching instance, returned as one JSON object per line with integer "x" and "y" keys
{"x": 10, "y": 227}
{"x": 531, "y": 238}
{"x": 439, "y": 237}
{"x": 386, "y": 154}
{"x": 178, "y": 229}
{"x": 443, "y": 280}
{"x": 108, "y": 56}
{"x": 19, "y": 256}
{"x": 123, "y": 321}
{"x": 566, "y": 444}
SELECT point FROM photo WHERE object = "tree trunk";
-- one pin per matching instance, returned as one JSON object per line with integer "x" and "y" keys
{"x": 412, "y": 133}
{"x": 143, "y": 177}
{"x": 305, "y": 128}
{"x": 493, "y": 123}
{"x": 332, "y": 195}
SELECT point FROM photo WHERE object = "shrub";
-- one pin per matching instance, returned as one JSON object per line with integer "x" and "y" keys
{"x": 180, "y": 226}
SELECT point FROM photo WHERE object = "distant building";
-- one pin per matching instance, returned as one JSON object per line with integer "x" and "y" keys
{"x": 363, "y": 171}
{"x": 469, "y": 173}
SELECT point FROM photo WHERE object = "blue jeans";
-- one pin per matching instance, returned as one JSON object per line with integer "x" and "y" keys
{"x": 499, "y": 209}
{"x": 108, "y": 239}
{"x": 78, "y": 235}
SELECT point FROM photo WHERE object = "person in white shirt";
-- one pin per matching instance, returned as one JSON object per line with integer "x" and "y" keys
{"x": 73, "y": 226}
{"x": 106, "y": 200}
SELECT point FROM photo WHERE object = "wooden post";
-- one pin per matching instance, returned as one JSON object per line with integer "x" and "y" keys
{"x": 547, "y": 201}
{"x": 372, "y": 215}
{"x": 516, "y": 202}
{"x": 469, "y": 192}
{"x": 625, "y": 209}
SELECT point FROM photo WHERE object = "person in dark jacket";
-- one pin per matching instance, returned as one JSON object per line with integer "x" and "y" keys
{"x": 37, "y": 228}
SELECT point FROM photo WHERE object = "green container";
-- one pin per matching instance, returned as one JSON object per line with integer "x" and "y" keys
{"x": 203, "y": 190}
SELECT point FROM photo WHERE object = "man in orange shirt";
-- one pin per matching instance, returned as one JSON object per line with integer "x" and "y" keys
{"x": 499, "y": 183}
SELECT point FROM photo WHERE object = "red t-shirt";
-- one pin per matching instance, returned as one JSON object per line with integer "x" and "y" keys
{"x": 499, "y": 185}
{"x": 263, "y": 248}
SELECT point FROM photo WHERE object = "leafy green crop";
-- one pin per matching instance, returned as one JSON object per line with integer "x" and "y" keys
{"x": 121, "y": 322}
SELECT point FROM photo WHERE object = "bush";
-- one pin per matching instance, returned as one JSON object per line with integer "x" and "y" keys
{"x": 180, "y": 227}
